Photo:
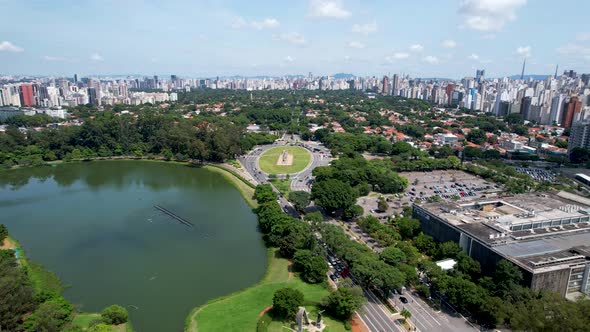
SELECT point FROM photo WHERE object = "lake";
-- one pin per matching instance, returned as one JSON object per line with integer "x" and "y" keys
{"x": 94, "y": 224}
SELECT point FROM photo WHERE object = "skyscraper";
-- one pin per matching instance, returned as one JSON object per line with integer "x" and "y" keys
{"x": 579, "y": 135}
{"x": 479, "y": 75}
{"x": 395, "y": 85}
{"x": 523, "y": 66}
{"x": 75, "y": 78}
{"x": 385, "y": 88}
{"x": 573, "y": 106}
{"x": 26, "y": 95}
{"x": 92, "y": 96}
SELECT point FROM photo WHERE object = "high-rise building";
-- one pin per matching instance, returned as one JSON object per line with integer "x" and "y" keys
{"x": 579, "y": 135}
{"x": 75, "y": 78}
{"x": 92, "y": 96}
{"x": 385, "y": 88}
{"x": 573, "y": 106}
{"x": 525, "y": 107}
{"x": 479, "y": 75}
{"x": 395, "y": 85}
{"x": 449, "y": 90}
{"x": 556, "y": 109}
{"x": 26, "y": 95}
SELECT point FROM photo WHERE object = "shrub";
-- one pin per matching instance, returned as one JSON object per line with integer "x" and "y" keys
{"x": 115, "y": 315}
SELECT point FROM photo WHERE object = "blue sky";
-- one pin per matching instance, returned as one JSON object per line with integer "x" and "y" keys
{"x": 425, "y": 38}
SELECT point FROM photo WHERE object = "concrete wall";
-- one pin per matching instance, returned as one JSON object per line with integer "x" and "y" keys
{"x": 440, "y": 231}
{"x": 554, "y": 281}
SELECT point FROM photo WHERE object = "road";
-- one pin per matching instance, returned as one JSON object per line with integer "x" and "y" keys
{"x": 426, "y": 319}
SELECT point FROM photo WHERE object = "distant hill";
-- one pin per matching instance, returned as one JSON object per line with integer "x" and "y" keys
{"x": 339, "y": 76}
{"x": 526, "y": 77}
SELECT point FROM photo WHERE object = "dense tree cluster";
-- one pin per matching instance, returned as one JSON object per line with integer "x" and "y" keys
{"x": 344, "y": 301}
{"x": 110, "y": 134}
{"x": 279, "y": 229}
{"x": 286, "y": 302}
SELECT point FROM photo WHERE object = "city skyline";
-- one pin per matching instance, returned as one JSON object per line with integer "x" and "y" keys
{"x": 227, "y": 38}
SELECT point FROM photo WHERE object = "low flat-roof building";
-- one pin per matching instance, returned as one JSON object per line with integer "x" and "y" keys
{"x": 546, "y": 235}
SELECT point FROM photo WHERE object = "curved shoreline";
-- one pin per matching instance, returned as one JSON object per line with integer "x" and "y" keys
{"x": 244, "y": 187}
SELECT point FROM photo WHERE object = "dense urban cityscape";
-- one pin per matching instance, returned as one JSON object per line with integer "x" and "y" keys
{"x": 317, "y": 165}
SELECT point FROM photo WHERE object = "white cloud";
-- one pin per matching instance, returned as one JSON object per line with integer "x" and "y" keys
{"x": 294, "y": 38}
{"x": 575, "y": 51}
{"x": 53, "y": 58}
{"x": 267, "y": 23}
{"x": 489, "y": 15}
{"x": 355, "y": 44}
{"x": 583, "y": 37}
{"x": 289, "y": 58}
{"x": 327, "y": 9}
{"x": 96, "y": 57}
{"x": 473, "y": 56}
{"x": 7, "y": 46}
{"x": 524, "y": 51}
{"x": 489, "y": 36}
{"x": 365, "y": 29}
{"x": 449, "y": 43}
{"x": 397, "y": 56}
{"x": 430, "y": 59}
{"x": 416, "y": 48}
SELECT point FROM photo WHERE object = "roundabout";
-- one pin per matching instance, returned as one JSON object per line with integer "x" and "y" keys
{"x": 284, "y": 160}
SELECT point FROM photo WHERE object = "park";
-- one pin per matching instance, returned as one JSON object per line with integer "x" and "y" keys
{"x": 284, "y": 160}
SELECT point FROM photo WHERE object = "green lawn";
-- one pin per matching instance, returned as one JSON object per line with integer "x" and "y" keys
{"x": 83, "y": 320}
{"x": 240, "y": 311}
{"x": 283, "y": 185}
{"x": 246, "y": 191}
{"x": 268, "y": 160}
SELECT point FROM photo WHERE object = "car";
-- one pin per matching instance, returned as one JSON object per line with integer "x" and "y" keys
{"x": 403, "y": 299}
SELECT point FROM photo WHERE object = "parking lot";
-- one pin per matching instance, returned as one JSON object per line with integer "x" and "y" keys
{"x": 538, "y": 174}
{"x": 429, "y": 186}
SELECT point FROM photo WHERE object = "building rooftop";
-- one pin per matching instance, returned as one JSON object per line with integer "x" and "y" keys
{"x": 536, "y": 231}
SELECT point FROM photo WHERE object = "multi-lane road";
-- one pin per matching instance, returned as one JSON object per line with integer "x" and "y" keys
{"x": 374, "y": 314}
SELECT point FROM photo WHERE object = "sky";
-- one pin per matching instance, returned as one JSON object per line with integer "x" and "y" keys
{"x": 205, "y": 38}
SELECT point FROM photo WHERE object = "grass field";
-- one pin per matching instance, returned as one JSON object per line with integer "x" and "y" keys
{"x": 83, "y": 320}
{"x": 283, "y": 185}
{"x": 246, "y": 191}
{"x": 240, "y": 311}
{"x": 268, "y": 160}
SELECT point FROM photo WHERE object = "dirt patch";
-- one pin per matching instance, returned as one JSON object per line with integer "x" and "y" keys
{"x": 264, "y": 311}
{"x": 7, "y": 244}
{"x": 357, "y": 324}
{"x": 285, "y": 159}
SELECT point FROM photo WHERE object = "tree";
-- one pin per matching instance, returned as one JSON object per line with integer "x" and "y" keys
{"x": 3, "y": 233}
{"x": 333, "y": 195}
{"x": 393, "y": 256}
{"x": 507, "y": 278}
{"x": 407, "y": 227}
{"x": 471, "y": 152}
{"x": 448, "y": 250}
{"x": 286, "y": 302}
{"x": 16, "y": 293}
{"x": 300, "y": 199}
{"x": 513, "y": 118}
{"x": 579, "y": 155}
{"x": 315, "y": 216}
{"x": 264, "y": 193}
{"x": 406, "y": 314}
{"x": 425, "y": 244}
{"x": 353, "y": 212}
{"x": 114, "y": 314}
{"x": 382, "y": 205}
{"x": 52, "y": 315}
{"x": 313, "y": 267}
{"x": 476, "y": 136}
{"x": 344, "y": 301}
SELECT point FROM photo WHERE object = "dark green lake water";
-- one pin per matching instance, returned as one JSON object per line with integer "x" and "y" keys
{"x": 94, "y": 225}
